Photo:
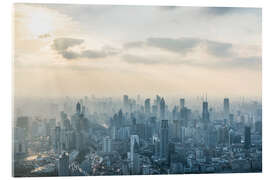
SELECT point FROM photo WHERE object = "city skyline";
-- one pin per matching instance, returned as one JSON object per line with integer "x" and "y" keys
{"x": 97, "y": 136}
{"x": 77, "y": 50}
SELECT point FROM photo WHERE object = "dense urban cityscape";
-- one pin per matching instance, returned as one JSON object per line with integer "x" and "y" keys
{"x": 92, "y": 136}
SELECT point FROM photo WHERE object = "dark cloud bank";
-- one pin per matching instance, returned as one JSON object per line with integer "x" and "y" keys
{"x": 62, "y": 45}
{"x": 185, "y": 45}
{"x": 178, "y": 46}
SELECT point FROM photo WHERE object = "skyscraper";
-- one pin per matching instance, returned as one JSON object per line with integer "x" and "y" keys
{"x": 157, "y": 102}
{"x": 63, "y": 165}
{"x": 184, "y": 116}
{"x": 182, "y": 103}
{"x": 231, "y": 119}
{"x": 156, "y": 143}
{"x": 164, "y": 130}
{"x": 78, "y": 108}
{"x": 162, "y": 109}
{"x": 176, "y": 129}
{"x": 247, "y": 137}
{"x": 205, "y": 114}
{"x": 57, "y": 143}
{"x": 125, "y": 102}
{"x": 107, "y": 144}
{"x": 175, "y": 113}
{"x": 226, "y": 108}
{"x": 147, "y": 106}
{"x": 134, "y": 145}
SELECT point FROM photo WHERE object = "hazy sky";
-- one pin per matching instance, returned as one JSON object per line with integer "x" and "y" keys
{"x": 77, "y": 50}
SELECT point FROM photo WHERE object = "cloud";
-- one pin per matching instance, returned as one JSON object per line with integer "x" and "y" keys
{"x": 184, "y": 45}
{"x": 251, "y": 63}
{"x": 93, "y": 54}
{"x": 70, "y": 54}
{"x": 221, "y": 11}
{"x": 219, "y": 49}
{"x": 62, "y": 45}
{"x": 181, "y": 45}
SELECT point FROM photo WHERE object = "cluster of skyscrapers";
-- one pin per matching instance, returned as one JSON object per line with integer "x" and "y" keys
{"x": 144, "y": 136}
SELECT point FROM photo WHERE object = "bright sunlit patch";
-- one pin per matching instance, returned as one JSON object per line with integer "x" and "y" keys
{"x": 40, "y": 23}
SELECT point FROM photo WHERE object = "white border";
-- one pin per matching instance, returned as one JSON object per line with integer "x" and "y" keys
{"x": 6, "y": 79}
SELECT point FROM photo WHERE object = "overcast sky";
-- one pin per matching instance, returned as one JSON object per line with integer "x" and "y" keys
{"x": 77, "y": 50}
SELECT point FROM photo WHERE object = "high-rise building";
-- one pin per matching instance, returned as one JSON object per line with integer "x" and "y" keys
{"x": 57, "y": 143}
{"x": 157, "y": 102}
{"x": 164, "y": 131}
{"x": 162, "y": 109}
{"x": 182, "y": 103}
{"x": 226, "y": 108}
{"x": 231, "y": 119}
{"x": 185, "y": 114}
{"x": 23, "y": 122}
{"x": 258, "y": 127}
{"x": 212, "y": 137}
{"x": 182, "y": 134}
{"x": 134, "y": 146}
{"x": 78, "y": 108}
{"x": 247, "y": 137}
{"x": 174, "y": 113}
{"x": 156, "y": 143}
{"x": 107, "y": 144}
{"x": 205, "y": 114}
{"x": 176, "y": 129}
{"x": 20, "y": 145}
{"x": 125, "y": 102}
{"x": 80, "y": 140}
{"x": 147, "y": 106}
{"x": 136, "y": 164}
{"x": 154, "y": 110}
{"x": 63, "y": 165}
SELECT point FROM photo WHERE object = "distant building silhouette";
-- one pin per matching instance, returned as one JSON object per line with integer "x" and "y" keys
{"x": 226, "y": 108}
{"x": 247, "y": 137}
{"x": 162, "y": 109}
{"x": 147, "y": 106}
{"x": 164, "y": 133}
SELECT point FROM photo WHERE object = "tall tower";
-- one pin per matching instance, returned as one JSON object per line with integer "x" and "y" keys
{"x": 125, "y": 102}
{"x": 205, "y": 114}
{"x": 247, "y": 137}
{"x": 57, "y": 143}
{"x": 134, "y": 145}
{"x": 107, "y": 144}
{"x": 176, "y": 129}
{"x": 147, "y": 106}
{"x": 78, "y": 108}
{"x": 182, "y": 103}
{"x": 226, "y": 108}
{"x": 162, "y": 109}
{"x": 63, "y": 165}
{"x": 164, "y": 130}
